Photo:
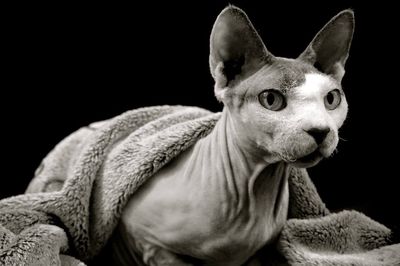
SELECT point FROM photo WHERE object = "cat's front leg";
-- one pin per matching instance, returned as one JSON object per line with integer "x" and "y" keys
{"x": 136, "y": 250}
{"x": 157, "y": 256}
{"x": 148, "y": 254}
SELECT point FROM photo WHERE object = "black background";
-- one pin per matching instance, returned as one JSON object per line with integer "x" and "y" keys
{"x": 67, "y": 65}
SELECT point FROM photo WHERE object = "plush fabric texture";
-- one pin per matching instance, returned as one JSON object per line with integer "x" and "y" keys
{"x": 76, "y": 198}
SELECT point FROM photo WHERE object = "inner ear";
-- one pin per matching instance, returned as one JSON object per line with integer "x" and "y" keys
{"x": 233, "y": 67}
{"x": 236, "y": 50}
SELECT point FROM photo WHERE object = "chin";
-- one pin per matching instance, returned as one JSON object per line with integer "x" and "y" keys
{"x": 309, "y": 160}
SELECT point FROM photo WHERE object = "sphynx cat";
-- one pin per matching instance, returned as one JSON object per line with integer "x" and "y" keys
{"x": 226, "y": 197}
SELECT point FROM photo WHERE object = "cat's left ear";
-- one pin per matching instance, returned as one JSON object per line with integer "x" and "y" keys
{"x": 329, "y": 49}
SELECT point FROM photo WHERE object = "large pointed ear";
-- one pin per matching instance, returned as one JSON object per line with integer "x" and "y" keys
{"x": 329, "y": 49}
{"x": 236, "y": 50}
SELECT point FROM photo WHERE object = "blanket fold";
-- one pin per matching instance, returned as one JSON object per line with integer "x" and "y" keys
{"x": 76, "y": 198}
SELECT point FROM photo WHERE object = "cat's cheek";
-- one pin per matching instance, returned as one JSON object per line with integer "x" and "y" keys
{"x": 339, "y": 115}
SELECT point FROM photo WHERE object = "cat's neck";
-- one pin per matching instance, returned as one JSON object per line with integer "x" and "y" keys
{"x": 236, "y": 167}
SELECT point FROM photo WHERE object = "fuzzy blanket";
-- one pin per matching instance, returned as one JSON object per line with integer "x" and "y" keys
{"x": 76, "y": 198}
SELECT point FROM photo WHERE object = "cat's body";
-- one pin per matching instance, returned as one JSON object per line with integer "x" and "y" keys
{"x": 227, "y": 196}
{"x": 225, "y": 214}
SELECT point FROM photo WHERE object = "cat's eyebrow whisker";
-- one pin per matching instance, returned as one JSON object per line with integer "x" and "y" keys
{"x": 343, "y": 139}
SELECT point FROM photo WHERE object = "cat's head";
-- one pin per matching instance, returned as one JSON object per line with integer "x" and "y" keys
{"x": 290, "y": 109}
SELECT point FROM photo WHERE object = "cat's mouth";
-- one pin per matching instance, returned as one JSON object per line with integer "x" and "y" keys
{"x": 309, "y": 160}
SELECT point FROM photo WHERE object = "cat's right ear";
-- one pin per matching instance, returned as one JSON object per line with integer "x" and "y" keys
{"x": 236, "y": 50}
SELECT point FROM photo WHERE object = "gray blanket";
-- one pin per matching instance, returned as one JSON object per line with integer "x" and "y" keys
{"x": 76, "y": 198}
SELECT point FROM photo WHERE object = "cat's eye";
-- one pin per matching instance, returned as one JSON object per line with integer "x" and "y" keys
{"x": 332, "y": 99}
{"x": 272, "y": 100}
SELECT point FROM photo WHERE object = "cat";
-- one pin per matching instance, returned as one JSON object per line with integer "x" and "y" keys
{"x": 226, "y": 197}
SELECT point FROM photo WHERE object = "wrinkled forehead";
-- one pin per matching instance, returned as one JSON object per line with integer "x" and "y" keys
{"x": 283, "y": 74}
{"x": 289, "y": 73}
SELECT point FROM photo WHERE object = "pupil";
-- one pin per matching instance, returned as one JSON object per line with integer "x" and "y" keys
{"x": 329, "y": 98}
{"x": 270, "y": 98}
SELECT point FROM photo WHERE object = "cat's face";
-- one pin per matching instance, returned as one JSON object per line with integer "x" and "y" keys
{"x": 289, "y": 109}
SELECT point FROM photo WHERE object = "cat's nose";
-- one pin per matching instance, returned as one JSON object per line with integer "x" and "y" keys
{"x": 319, "y": 134}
